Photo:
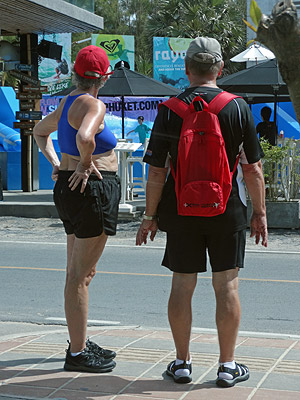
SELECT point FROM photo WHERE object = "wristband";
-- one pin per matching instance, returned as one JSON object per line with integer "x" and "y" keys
{"x": 149, "y": 218}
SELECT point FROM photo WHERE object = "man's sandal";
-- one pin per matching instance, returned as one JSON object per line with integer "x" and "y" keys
{"x": 172, "y": 368}
{"x": 239, "y": 374}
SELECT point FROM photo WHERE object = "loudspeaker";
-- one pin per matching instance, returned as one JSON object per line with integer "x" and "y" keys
{"x": 49, "y": 50}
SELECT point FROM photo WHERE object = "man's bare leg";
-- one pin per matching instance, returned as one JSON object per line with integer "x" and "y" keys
{"x": 228, "y": 311}
{"x": 83, "y": 255}
{"x": 180, "y": 312}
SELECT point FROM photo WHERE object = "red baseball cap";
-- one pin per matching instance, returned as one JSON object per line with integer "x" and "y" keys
{"x": 91, "y": 59}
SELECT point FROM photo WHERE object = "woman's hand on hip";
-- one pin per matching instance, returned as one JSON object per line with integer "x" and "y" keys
{"x": 81, "y": 175}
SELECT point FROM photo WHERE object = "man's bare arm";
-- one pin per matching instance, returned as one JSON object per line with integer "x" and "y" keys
{"x": 255, "y": 183}
{"x": 154, "y": 188}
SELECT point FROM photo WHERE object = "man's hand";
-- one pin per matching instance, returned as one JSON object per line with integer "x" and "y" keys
{"x": 82, "y": 173}
{"x": 144, "y": 229}
{"x": 258, "y": 228}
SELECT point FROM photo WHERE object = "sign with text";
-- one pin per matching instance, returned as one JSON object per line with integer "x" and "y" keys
{"x": 24, "y": 124}
{"x": 29, "y": 96}
{"x": 168, "y": 60}
{"x": 35, "y": 88}
{"x": 26, "y": 105}
{"x": 24, "y": 67}
{"x": 33, "y": 115}
{"x": 25, "y": 78}
{"x": 27, "y": 132}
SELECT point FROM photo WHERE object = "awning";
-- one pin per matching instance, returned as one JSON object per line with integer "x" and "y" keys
{"x": 45, "y": 16}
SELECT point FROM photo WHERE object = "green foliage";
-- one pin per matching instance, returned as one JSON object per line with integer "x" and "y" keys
{"x": 216, "y": 2}
{"x": 144, "y": 19}
{"x": 255, "y": 15}
{"x": 5, "y": 78}
{"x": 76, "y": 47}
{"x": 189, "y": 19}
{"x": 281, "y": 170}
{"x": 255, "y": 12}
{"x": 253, "y": 28}
{"x": 130, "y": 17}
{"x": 143, "y": 65}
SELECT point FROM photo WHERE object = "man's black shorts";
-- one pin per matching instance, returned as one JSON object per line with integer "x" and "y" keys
{"x": 187, "y": 252}
{"x": 95, "y": 210}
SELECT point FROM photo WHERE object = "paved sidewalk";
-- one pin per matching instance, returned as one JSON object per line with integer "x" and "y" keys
{"x": 39, "y": 204}
{"x": 32, "y": 358}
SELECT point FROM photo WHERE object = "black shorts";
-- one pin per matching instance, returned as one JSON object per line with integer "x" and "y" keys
{"x": 95, "y": 210}
{"x": 187, "y": 253}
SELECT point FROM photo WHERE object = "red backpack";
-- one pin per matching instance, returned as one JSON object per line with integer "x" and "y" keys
{"x": 203, "y": 180}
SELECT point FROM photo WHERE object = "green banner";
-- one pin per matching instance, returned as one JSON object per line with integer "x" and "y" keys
{"x": 118, "y": 48}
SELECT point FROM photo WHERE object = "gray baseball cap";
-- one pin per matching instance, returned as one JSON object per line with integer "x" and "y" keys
{"x": 205, "y": 45}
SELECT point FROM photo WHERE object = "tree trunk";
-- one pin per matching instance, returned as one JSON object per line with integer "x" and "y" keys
{"x": 280, "y": 32}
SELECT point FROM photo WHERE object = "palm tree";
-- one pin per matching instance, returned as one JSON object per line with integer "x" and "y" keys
{"x": 221, "y": 19}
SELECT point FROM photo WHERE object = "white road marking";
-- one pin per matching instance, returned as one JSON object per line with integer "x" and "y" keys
{"x": 251, "y": 334}
{"x": 91, "y": 321}
{"x": 149, "y": 247}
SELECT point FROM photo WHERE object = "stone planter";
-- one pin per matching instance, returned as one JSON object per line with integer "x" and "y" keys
{"x": 281, "y": 214}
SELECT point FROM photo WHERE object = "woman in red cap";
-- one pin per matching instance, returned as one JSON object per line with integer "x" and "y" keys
{"x": 86, "y": 195}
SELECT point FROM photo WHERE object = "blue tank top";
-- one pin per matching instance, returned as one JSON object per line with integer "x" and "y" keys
{"x": 66, "y": 134}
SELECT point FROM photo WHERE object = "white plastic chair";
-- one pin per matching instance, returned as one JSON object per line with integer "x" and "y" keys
{"x": 136, "y": 184}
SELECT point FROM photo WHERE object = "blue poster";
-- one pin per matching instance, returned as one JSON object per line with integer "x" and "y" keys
{"x": 168, "y": 61}
{"x": 134, "y": 107}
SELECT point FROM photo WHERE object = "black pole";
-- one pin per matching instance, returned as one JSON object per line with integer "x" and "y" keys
{"x": 123, "y": 116}
{"x": 275, "y": 115}
{"x": 29, "y": 149}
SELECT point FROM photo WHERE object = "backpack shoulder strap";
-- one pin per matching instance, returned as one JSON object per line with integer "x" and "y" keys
{"x": 178, "y": 106}
{"x": 220, "y": 101}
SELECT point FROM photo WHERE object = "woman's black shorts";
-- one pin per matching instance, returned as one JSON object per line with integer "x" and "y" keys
{"x": 92, "y": 212}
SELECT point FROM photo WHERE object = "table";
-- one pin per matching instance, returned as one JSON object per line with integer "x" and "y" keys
{"x": 123, "y": 148}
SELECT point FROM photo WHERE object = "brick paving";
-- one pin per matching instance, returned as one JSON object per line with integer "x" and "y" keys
{"x": 32, "y": 367}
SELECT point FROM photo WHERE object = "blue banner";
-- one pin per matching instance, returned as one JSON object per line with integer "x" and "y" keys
{"x": 134, "y": 107}
{"x": 168, "y": 61}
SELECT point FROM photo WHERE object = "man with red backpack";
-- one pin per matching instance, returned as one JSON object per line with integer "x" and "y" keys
{"x": 202, "y": 146}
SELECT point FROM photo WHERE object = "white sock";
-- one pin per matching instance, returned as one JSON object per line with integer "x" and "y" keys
{"x": 230, "y": 364}
{"x": 183, "y": 371}
{"x": 76, "y": 354}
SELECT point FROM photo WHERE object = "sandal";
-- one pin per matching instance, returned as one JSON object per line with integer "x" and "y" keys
{"x": 172, "y": 368}
{"x": 239, "y": 374}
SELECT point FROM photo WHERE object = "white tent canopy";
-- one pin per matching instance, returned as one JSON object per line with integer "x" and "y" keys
{"x": 255, "y": 52}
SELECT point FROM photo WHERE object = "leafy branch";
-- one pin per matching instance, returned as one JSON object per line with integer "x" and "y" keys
{"x": 255, "y": 15}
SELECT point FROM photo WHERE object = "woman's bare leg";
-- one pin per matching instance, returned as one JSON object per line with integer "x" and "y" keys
{"x": 83, "y": 255}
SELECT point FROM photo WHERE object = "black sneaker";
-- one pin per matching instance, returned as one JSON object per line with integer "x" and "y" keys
{"x": 87, "y": 362}
{"x": 239, "y": 374}
{"x": 99, "y": 351}
{"x": 172, "y": 368}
